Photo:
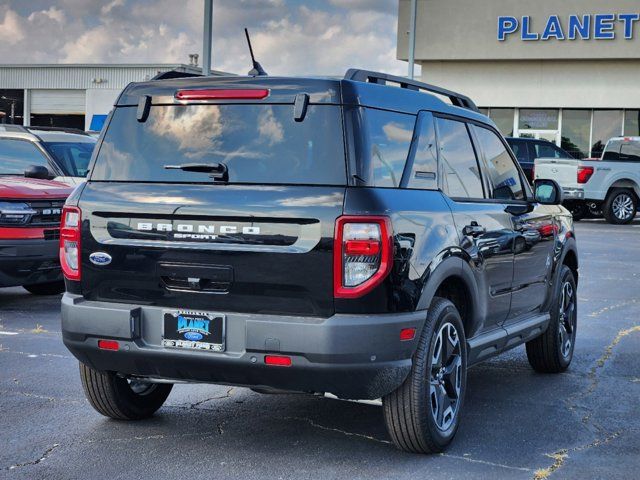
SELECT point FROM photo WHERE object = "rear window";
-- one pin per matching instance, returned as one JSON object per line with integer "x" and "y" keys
{"x": 72, "y": 157}
{"x": 260, "y": 144}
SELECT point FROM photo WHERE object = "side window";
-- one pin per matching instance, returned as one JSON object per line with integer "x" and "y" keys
{"x": 561, "y": 153}
{"x": 502, "y": 171}
{"x": 424, "y": 169}
{"x": 546, "y": 150}
{"x": 520, "y": 150}
{"x": 630, "y": 152}
{"x": 612, "y": 151}
{"x": 390, "y": 135}
{"x": 17, "y": 155}
{"x": 460, "y": 170}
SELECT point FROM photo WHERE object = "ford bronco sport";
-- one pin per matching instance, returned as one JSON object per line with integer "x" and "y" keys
{"x": 316, "y": 235}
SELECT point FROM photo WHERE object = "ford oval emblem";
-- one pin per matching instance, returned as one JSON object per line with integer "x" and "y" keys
{"x": 100, "y": 258}
{"x": 193, "y": 336}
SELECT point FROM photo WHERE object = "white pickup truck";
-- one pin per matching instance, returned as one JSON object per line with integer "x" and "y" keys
{"x": 610, "y": 185}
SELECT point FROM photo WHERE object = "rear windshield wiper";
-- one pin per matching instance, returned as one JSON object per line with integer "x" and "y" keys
{"x": 218, "y": 171}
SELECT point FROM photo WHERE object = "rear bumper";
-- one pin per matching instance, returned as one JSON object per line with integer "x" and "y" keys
{"x": 573, "y": 193}
{"x": 29, "y": 261}
{"x": 351, "y": 356}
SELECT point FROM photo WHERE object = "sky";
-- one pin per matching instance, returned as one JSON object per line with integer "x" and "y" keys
{"x": 290, "y": 37}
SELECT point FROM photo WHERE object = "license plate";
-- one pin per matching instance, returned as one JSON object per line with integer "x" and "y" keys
{"x": 194, "y": 330}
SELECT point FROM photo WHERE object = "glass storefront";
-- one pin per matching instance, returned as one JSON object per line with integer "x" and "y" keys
{"x": 538, "y": 119}
{"x": 503, "y": 118}
{"x": 606, "y": 124}
{"x": 632, "y": 123}
{"x": 576, "y": 132}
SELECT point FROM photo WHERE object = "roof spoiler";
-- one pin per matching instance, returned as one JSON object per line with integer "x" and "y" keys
{"x": 456, "y": 99}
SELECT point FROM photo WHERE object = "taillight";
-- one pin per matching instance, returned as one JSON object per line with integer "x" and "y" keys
{"x": 584, "y": 174}
{"x": 70, "y": 242}
{"x": 362, "y": 254}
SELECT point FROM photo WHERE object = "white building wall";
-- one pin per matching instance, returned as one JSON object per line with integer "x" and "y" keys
{"x": 99, "y": 102}
{"x": 540, "y": 84}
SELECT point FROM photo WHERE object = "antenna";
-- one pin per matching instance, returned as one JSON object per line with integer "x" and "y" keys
{"x": 257, "y": 70}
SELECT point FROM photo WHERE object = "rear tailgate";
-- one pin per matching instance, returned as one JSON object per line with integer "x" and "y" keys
{"x": 212, "y": 247}
{"x": 562, "y": 170}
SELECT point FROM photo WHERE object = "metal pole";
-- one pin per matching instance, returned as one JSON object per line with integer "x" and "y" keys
{"x": 206, "y": 39}
{"x": 412, "y": 38}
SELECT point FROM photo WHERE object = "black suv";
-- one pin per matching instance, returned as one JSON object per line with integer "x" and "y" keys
{"x": 527, "y": 150}
{"x": 334, "y": 236}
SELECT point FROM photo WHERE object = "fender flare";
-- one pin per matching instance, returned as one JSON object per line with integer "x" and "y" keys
{"x": 453, "y": 264}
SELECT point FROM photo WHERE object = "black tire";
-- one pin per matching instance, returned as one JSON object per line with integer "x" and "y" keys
{"x": 50, "y": 288}
{"x": 114, "y": 396}
{"x": 620, "y": 206}
{"x": 548, "y": 353}
{"x": 408, "y": 411}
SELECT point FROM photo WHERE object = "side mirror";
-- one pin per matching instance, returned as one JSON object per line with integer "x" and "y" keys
{"x": 37, "y": 171}
{"x": 548, "y": 192}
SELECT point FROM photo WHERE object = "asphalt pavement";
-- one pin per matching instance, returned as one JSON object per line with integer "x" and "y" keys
{"x": 582, "y": 424}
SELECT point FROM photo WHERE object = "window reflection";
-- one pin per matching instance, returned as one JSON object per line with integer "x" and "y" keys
{"x": 576, "y": 130}
{"x": 632, "y": 123}
{"x": 606, "y": 124}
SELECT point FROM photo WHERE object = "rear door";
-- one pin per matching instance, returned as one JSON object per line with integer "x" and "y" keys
{"x": 259, "y": 242}
{"x": 484, "y": 229}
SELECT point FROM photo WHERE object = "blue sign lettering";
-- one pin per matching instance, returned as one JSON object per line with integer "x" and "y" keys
{"x": 581, "y": 28}
{"x": 525, "y": 34}
{"x": 553, "y": 29}
{"x": 506, "y": 25}
{"x": 627, "y": 20}
{"x": 601, "y": 26}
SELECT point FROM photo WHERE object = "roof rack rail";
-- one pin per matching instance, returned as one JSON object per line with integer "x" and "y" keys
{"x": 456, "y": 99}
{"x": 77, "y": 131}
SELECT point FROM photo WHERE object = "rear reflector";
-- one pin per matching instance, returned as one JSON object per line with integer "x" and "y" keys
{"x": 277, "y": 360}
{"x": 228, "y": 94}
{"x": 108, "y": 345}
{"x": 407, "y": 334}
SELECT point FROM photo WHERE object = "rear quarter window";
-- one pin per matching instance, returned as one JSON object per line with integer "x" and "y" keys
{"x": 388, "y": 137}
{"x": 260, "y": 144}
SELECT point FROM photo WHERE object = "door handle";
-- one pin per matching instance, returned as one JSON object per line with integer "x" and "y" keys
{"x": 473, "y": 230}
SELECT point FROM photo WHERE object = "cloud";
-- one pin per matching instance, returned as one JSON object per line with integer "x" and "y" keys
{"x": 290, "y": 37}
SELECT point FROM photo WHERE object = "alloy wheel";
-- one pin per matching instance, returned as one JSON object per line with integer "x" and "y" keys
{"x": 623, "y": 206}
{"x": 445, "y": 377}
{"x": 567, "y": 319}
{"x": 140, "y": 387}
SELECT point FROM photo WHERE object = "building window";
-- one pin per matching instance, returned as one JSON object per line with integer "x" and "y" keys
{"x": 538, "y": 119}
{"x": 632, "y": 123}
{"x": 576, "y": 131}
{"x": 606, "y": 124}
{"x": 11, "y": 106}
{"x": 503, "y": 118}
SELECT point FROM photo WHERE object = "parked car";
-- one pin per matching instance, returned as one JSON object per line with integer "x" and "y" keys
{"x": 58, "y": 153}
{"x": 317, "y": 235}
{"x": 30, "y": 233}
{"x": 527, "y": 150}
{"x": 610, "y": 185}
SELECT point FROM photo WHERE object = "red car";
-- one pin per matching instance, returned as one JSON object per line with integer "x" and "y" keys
{"x": 29, "y": 233}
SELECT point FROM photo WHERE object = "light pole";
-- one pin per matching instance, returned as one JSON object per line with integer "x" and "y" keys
{"x": 206, "y": 38}
{"x": 412, "y": 37}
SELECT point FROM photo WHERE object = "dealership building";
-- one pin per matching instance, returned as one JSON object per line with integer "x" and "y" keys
{"x": 565, "y": 71}
{"x": 69, "y": 95}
